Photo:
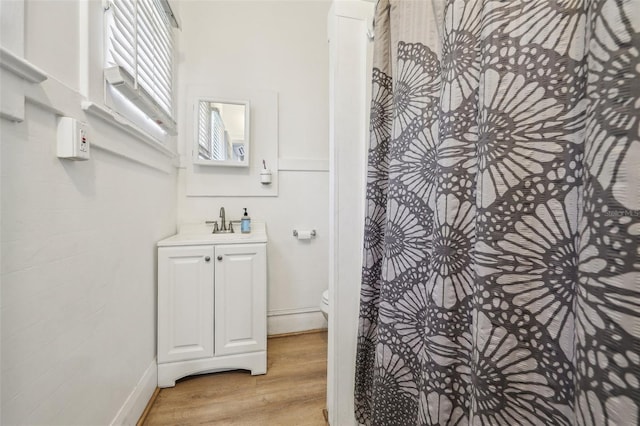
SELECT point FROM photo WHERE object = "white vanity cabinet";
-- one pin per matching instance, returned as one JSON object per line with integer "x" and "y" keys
{"x": 240, "y": 302}
{"x": 185, "y": 303}
{"x": 212, "y": 296}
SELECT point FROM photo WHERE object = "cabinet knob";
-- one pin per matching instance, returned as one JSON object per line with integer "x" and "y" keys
{"x": 219, "y": 257}
{"x": 207, "y": 258}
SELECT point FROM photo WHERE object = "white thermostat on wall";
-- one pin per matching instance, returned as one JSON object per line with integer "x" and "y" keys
{"x": 73, "y": 142}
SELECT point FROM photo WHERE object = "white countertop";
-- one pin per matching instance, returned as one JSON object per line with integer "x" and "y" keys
{"x": 201, "y": 234}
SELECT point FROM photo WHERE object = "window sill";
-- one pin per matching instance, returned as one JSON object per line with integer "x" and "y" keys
{"x": 125, "y": 125}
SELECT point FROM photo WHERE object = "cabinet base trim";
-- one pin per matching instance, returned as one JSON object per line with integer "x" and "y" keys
{"x": 168, "y": 373}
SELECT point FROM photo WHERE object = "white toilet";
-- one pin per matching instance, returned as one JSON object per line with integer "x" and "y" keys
{"x": 324, "y": 304}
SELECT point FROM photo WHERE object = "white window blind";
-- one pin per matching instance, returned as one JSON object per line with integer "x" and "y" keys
{"x": 140, "y": 55}
{"x": 218, "y": 136}
{"x": 204, "y": 126}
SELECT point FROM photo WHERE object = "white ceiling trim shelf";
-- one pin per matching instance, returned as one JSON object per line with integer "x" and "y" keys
{"x": 21, "y": 67}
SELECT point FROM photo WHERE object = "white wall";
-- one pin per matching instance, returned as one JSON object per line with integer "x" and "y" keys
{"x": 53, "y": 51}
{"x": 78, "y": 296}
{"x": 275, "y": 46}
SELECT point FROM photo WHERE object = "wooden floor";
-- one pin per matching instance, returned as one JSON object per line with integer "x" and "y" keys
{"x": 293, "y": 392}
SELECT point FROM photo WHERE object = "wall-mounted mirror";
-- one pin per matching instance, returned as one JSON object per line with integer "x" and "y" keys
{"x": 222, "y": 133}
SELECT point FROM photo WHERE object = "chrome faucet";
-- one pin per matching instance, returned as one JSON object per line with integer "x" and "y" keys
{"x": 223, "y": 225}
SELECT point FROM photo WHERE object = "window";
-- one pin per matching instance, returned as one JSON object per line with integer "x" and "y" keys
{"x": 139, "y": 56}
{"x": 219, "y": 135}
{"x": 212, "y": 134}
{"x": 204, "y": 123}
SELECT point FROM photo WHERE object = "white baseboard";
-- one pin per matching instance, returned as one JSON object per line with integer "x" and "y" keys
{"x": 293, "y": 320}
{"x": 139, "y": 397}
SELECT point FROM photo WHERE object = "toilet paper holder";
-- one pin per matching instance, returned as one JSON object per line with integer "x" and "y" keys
{"x": 313, "y": 233}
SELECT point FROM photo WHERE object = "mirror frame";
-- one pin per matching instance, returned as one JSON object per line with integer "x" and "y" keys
{"x": 247, "y": 133}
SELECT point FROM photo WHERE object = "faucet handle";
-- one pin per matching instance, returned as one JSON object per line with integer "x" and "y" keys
{"x": 215, "y": 225}
{"x": 230, "y": 226}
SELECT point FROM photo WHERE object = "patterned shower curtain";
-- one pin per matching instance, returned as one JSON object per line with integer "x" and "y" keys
{"x": 501, "y": 277}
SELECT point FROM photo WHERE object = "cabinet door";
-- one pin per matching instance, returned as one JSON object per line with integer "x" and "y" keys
{"x": 185, "y": 303}
{"x": 241, "y": 296}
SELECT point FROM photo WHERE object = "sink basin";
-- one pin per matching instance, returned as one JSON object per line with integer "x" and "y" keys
{"x": 201, "y": 234}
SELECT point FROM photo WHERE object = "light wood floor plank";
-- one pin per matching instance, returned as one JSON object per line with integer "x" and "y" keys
{"x": 293, "y": 392}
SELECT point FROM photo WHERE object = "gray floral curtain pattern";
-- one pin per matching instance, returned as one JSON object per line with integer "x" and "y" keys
{"x": 501, "y": 277}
